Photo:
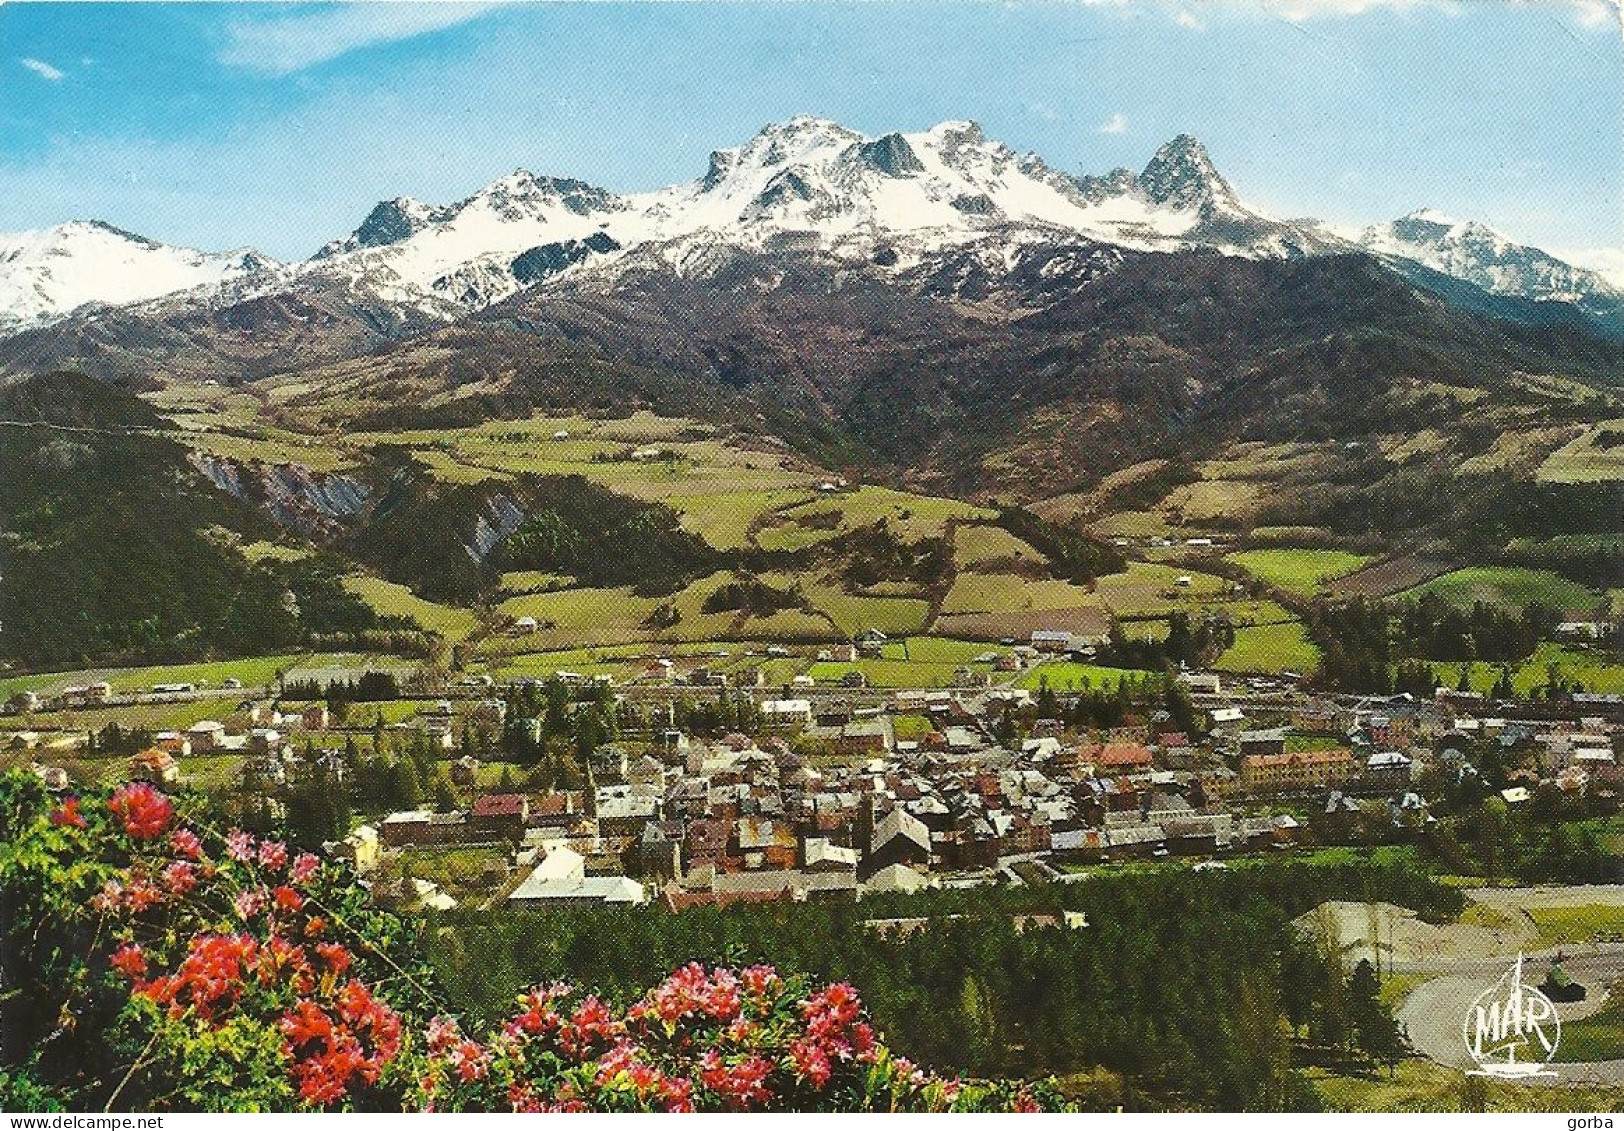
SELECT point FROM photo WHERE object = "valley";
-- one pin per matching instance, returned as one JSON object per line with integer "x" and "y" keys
{"x": 879, "y": 554}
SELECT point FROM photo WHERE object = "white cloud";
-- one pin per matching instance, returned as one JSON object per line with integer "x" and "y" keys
{"x": 1117, "y": 125}
{"x": 1595, "y": 13}
{"x": 282, "y": 45}
{"x": 1300, "y": 10}
{"x": 1042, "y": 110}
{"x": 43, "y": 69}
{"x": 1189, "y": 20}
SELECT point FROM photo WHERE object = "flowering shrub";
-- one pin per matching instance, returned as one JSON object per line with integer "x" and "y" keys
{"x": 161, "y": 963}
{"x": 712, "y": 1040}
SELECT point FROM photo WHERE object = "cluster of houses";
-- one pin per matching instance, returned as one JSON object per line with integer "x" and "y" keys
{"x": 690, "y": 822}
{"x": 834, "y": 799}
{"x": 258, "y": 732}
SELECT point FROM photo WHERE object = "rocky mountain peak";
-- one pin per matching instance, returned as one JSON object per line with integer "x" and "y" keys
{"x": 891, "y": 155}
{"x": 1182, "y": 175}
{"x": 391, "y": 221}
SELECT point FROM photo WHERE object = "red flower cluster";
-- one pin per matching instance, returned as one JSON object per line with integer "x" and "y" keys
{"x": 67, "y": 815}
{"x": 273, "y": 855}
{"x": 210, "y": 979}
{"x": 233, "y": 939}
{"x": 332, "y": 1051}
{"x": 186, "y": 843}
{"x": 145, "y": 812}
{"x": 130, "y": 961}
{"x": 742, "y": 1083}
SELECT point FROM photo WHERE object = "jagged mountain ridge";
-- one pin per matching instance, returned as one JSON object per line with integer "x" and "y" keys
{"x": 901, "y": 205}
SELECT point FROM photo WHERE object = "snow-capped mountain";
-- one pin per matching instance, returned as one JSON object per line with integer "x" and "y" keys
{"x": 807, "y": 185}
{"x": 1482, "y": 256}
{"x": 947, "y": 210}
{"x": 49, "y": 273}
{"x": 463, "y": 256}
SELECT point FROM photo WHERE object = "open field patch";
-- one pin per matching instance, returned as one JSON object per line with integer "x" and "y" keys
{"x": 1150, "y": 588}
{"x": 1087, "y": 621}
{"x": 910, "y": 517}
{"x": 1594, "y": 456}
{"x": 1518, "y": 450}
{"x": 1068, "y": 675}
{"x": 1297, "y": 571}
{"x": 725, "y": 520}
{"x": 1594, "y": 671}
{"x": 253, "y": 672}
{"x": 390, "y": 599}
{"x": 854, "y": 613}
{"x": 1507, "y": 586}
{"x": 976, "y": 543}
{"x": 1008, "y": 592}
{"x": 1271, "y": 649}
{"x": 1211, "y": 499}
{"x": 1389, "y": 576}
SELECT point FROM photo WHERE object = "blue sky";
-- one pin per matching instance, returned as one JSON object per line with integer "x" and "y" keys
{"x": 278, "y": 126}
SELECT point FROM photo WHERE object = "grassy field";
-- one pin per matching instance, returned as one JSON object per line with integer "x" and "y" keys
{"x": 975, "y": 544}
{"x": 520, "y": 581}
{"x": 1009, "y": 592}
{"x": 1298, "y": 571}
{"x": 273, "y": 551}
{"x": 917, "y": 661}
{"x": 888, "y": 674}
{"x": 1590, "y": 669}
{"x": 1384, "y": 578}
{"x": 271, "y": 446}
{"x": 725, "y": 520}
{"x": 1587, "y": 922}
{"x": 1597, "y": 1037}
{"x": 393, "y": 600}
{"x": 1131, "y": 524}
{"x": 1509, "y": 586}
{"x": 1271, "y": 649}
{"x": 1585, "y": 459}
{"x": 601, "y": 612}
{"x": 254, "y": 672}
{"x": 1210, "y": 499}
{"x": 144, "y": 716}
{"x": 1067, "y": 675}
{"x": 910, "y": 517}
{"x": 910, "y": 728}
{"x": 1146, "y": 588}
{"x": 1521, "y": 451}
{"x": 851, "y": 613}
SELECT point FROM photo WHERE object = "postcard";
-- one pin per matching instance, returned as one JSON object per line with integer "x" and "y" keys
{"x": 758, "y": 557}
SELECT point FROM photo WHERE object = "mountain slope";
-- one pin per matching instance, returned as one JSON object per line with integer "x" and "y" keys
{"x": 116, "y": 548}
{"x": 1164, "y": 352}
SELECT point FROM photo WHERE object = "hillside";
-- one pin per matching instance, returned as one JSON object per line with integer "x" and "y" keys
{"x": 115, "y": 547}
